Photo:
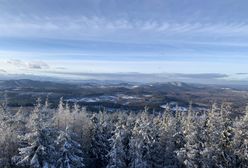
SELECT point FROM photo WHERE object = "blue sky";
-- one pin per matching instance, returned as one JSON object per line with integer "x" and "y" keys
{"x": 113, "y": 36}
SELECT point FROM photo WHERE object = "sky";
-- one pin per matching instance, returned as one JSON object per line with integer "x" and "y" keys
{"x": 75, "y": 37}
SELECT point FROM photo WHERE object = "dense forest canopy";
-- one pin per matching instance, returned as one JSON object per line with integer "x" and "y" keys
{"x": 70, "y": 137}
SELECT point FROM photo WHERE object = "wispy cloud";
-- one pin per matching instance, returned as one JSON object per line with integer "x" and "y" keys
{"x": 129, "y": 71}
{"x": 39, "y": 65}
{"x": 198, "y": 76}
{"x": 213, "y": 78}
{"x": 3, "y": 71}
{"x": 112, "y": 66}
{"x": 17, "y": 63}
{"x": 99, "y": 27}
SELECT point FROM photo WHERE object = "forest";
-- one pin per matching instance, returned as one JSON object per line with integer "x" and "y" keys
{"x": 70, "y": 137}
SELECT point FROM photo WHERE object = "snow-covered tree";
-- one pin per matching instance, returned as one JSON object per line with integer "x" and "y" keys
{"x": 218, "y": 137}
{"x": 100, "y": 144}
{"x": 62, "y": 116}
{"x": 226, "y": 157}
{"x": 8, "y": 132}
{"x": 189, "y": 152}
{"x": 4, "y": 111}
{"x": 171, "y": 139}
{"x": 136, "y": 145}
{"x": 117, "y": 154}
{"x": 47, "y": 113}
{"x": 39, "y": 151}
{"x": 70, "y": 152}
{"x": 144, "y": 142}
{"x": 82, "y": 126}
{"x": 8, "y": 144}
{"x": 241, "y": 141}
{"x": 194, "y": 148}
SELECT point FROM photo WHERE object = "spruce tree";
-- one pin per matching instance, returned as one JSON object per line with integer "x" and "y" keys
{"x": 241, "y": 141}
{"x": 117, "y": 154}
{"x": 70, "y": 152}
{"x": 39, "y": 151}
{"x": 100, "y": 145}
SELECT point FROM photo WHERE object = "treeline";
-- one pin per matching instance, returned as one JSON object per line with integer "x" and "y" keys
{"x": 70, "y": 137}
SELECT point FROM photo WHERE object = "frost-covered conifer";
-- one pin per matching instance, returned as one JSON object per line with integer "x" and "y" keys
{"x": 189, "y": 152}
{"x": 100, "y": 145}
{"x": 136, "y": 148}
{"x": 241, "y": 141}
{"x": 62, "y": 116}
{"x": 70, "y": 152}
{"x": 143, "y": 142}
{"x": 226, "y": 156}
{"x": 81, "y": 125}
{"x": 170, "y": 140}
{"x": 39, "y": 151}
{"x": 117, "y": 154}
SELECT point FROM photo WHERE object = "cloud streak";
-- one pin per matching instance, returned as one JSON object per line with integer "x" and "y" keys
{"x": 38, "y": 65}
{"x": 19, "y": 64}
{"x": 3, "y": 71}
{"x": 99, "y": 27}
{"x": 206, "y": 78}
{"x": 129, "y": 71}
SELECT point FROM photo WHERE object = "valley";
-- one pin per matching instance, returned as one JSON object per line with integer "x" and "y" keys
{"x": 111, "y": 97}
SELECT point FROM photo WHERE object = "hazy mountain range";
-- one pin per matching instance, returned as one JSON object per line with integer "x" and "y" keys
{"x": 202, "y": 78}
